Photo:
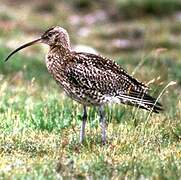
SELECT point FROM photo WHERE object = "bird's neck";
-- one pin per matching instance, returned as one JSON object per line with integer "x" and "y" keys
{"x": 59, "y": 50}
{"x": 59, "y": 56}
{"x": 57, "y": 60}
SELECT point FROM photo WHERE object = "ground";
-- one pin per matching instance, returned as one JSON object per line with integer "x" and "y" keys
{"x": 39, "y": 124}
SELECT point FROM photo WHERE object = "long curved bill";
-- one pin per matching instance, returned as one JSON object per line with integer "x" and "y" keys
{"x": 22, "y": 47}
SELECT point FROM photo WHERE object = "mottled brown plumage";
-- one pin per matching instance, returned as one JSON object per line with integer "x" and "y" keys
{"x": 91, "y": 79}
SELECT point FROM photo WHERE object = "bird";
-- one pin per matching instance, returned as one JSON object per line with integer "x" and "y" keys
{"x": 91, "y": 79}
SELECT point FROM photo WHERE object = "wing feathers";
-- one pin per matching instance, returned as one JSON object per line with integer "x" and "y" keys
{"x": 141, "y": 100}
{"x": 103, "y": 76}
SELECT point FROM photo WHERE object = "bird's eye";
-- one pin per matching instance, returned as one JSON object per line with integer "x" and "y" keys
{"x": 50, "y": 34}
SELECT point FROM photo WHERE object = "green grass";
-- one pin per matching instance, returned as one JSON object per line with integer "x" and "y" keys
{"x": 39, "y": 124}
{"x": 132, "y": 8}
{"x": 39, "y": 132}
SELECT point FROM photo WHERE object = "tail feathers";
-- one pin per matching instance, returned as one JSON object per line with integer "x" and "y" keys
{"x": 141, "y": 100}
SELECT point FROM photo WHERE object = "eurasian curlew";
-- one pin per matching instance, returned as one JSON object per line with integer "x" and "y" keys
{"x": 91, "y": 79}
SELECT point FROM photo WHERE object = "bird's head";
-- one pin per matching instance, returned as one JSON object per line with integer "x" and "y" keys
{"x": 55, "y": 36}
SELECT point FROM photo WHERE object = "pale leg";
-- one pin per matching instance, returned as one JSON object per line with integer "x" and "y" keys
{"x": 82, "y": 130}
{"x": 102, "y": 124}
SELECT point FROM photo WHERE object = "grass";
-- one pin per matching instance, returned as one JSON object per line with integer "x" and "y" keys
{"x": 39, "y": 124}
{"x": 132, "y": 8}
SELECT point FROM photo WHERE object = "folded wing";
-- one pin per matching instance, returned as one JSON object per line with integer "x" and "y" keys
{"x": 103, "y": 76}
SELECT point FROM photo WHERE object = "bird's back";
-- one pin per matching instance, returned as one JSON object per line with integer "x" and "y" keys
{"x": 104, "y": 74}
